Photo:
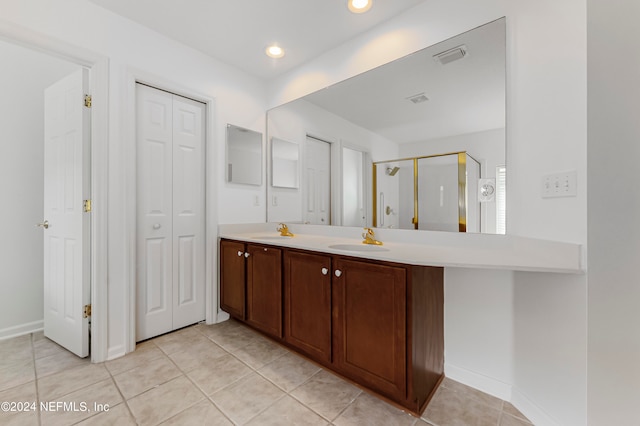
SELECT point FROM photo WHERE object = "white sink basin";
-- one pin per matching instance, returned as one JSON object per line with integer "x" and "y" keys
{"x": 358, "y": 247}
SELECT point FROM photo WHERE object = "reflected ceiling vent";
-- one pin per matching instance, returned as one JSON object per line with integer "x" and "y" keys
{"x": 420, "y": 97}
{"x": 451, "y": 55}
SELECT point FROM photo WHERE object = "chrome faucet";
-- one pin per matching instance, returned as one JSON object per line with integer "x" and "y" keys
{"x": 370, "y": 238}
{"x": 283, "y": 229}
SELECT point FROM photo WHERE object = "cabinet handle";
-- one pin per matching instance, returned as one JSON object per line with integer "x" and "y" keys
{"x": 265, "y": 249}
{"x": 246, "y": 255}
{"x": 325, "y": 271}
{"x": 240, "y": 253}
{"x": 338, "y": 272}
{"x": 156, "y": 226}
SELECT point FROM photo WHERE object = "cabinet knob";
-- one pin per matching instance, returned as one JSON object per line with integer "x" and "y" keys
{"x": 325, "y": 271}
{"x": 246, "y": 255}
{"x": 156, "y": 226}
{"x": 240, "y": 253}
{"x": 338, "y": 272}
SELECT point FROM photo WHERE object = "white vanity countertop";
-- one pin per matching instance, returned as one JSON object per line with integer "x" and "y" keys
{"x": 428, "y": 248}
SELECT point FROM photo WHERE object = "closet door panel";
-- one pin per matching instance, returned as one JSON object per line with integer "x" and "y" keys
{"x": 188, "y": 211}
{"x": 154, "y": 196}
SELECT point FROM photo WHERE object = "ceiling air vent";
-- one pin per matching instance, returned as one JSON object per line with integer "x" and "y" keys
{"x": 420, "y": 97}
{"x": 451, "y": 55}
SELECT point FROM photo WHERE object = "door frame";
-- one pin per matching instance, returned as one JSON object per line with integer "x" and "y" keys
{"x": 211, "y": 214}
{"x": 99, "y": 86}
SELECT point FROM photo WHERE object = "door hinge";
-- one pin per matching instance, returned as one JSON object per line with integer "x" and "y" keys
{"x": 86, "y": 313}
{"x": 87, "y": 101}
{"x": 87, "y": 206}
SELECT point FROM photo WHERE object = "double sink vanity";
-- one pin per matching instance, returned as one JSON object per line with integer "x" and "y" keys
{"x": 373, "y": 313}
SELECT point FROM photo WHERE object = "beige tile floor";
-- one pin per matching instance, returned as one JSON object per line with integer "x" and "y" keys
{"x": 223, "y": 374}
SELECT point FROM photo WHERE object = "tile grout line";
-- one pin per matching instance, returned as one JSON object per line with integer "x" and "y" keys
{"x": 286, "y": 393}
{"x": 206, "y": 397}
{"x": 124, "y": 400}
{"x": 35, "y": 377}
{"x": 256, "y": 370}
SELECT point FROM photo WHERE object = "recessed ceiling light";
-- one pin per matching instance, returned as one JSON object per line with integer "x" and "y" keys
{"x": 359, "y": 6}
{"x": 275, "y": 51}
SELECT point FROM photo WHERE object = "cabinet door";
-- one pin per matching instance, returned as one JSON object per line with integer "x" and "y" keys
{"x": 232, "y": 278}
{"x": 370, "y": 341}
{"x": 307, "y": 298}
{"x": 264, "y": 289}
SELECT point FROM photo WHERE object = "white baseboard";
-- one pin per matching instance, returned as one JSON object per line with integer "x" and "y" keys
{"x": 116, "y": 352}
{"x": 478, "y": 381}
{"x": 222, "y": 316}
{"x": 504, "y": 391}
{"x": 533, "y": 412}
{"x": 22, "y": 329}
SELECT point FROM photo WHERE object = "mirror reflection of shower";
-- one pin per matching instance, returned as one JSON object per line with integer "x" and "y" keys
{"x": 392, "y": 171}
{"x": 437, "y": 193}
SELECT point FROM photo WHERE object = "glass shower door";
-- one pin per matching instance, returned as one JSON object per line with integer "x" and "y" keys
{"x": 438, "y": 189}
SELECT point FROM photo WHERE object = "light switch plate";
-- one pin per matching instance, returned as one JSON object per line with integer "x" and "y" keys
{"x": 560, "y": 185}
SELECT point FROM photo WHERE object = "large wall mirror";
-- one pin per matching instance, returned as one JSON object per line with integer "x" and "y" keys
{"x": 418, "y": 143}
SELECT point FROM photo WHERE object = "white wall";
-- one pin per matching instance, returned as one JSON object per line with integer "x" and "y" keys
{"x": 24, "y": 75}
{"x": 546, "y": 133}
{"x": 133, "y": 49}
{"x": 479, "y": 329}
{"x": 614, "y": 208}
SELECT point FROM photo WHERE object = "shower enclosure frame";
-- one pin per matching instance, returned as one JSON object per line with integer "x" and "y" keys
{"x": 462, "y": 186}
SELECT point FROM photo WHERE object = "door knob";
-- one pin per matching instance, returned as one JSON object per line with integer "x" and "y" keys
{"x": 338, "y": 272}
{"x": 44, "y": 224}
{"x": 325, "y": 271}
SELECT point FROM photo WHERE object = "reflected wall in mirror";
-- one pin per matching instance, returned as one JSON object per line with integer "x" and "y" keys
{"x": 449, "y": 97}
{"x": 244, "y": 156}
{"x": 284, "y": 161}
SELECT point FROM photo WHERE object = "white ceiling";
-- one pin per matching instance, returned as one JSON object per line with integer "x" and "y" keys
{"x": 465, "y": 96}
{"x": 238, "y": 31}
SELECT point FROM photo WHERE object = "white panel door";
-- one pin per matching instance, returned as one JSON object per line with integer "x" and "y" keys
{"x": 66, "y": 225}
{"x": 154, "y": 212}
{"x": 317, "y": 203}
{"x": 170, "y": 212}
{"x": 188, "y": 212}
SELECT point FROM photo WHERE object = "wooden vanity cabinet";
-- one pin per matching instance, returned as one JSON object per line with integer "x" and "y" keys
{"x": 307, "y": 303}
{"x": 380, "y": 324}
{"x": 264, "y": 289}
{"x": 232, "y": 278}
{"x": 370, "y": 325}
{"x": 251, "y": 284}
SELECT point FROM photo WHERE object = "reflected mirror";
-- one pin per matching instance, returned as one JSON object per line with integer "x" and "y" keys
{"x": 284, "y": 161}
{"x": 244, "y": 156}
{"x": 448, "y": 98}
